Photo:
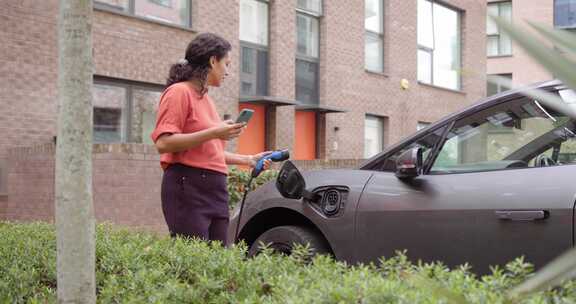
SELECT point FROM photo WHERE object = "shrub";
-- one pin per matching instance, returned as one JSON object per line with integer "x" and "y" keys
{"x": 144, "y": 268}
{"x": 238, "y": 179}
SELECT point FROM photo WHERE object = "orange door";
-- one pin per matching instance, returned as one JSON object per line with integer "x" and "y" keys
{"x": 305, "y": 135}
{"x": 253, "y": 139}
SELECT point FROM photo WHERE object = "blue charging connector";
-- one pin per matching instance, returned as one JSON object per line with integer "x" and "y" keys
{"x": 276, "y": 156}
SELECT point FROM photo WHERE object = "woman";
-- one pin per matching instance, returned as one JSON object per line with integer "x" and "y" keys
{"x": 191, "y": 137}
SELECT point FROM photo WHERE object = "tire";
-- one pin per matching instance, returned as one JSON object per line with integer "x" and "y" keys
{"x": 281, "y": 239}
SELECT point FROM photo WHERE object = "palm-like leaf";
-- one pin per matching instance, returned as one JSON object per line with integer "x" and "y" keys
{"x": 553, "y": 101}
{"x": 562, "y": 268}
{"x": 555, "y": 62}
{"x": 562, "y": 38}
{"x": 563, "y": 66}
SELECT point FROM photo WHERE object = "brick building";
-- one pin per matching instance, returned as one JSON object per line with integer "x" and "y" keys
{"x": 333, "y": 81}
{"x": 507, "y": 59}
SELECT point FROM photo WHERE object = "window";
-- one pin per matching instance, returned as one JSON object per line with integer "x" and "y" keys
{"x": 438, "y": 45}
{"x": 537, "y": 137}
{"x": 307, "y": 51}
{"x": 310, "y": 6}
{"x": 254, "y": 22}
{"x": 498, "y": 43}
{"x": 373, "y": 135}
{"x": 493, "y": 86}
{"x": 176, "y": 12}
{"x": 374, "y": 25}
{"x": 568, "y": 96}
{"x": 422, "y": 125}
{"x": 254, "y": 71}
{"x": 565, "y": 13}
{"x": 124, "y": 112}
{"x": 144, "y": 105}
{"x": 307, "y": 36}
{"x": 307, "y": 81}
{"x": 566, "y": 153}
{"x": 110, "y": 115}
{"x": 427, "y": 143}
{"x": 254, "y": 47}
{"x": 166, "y": 3}
{"x": 119, "y": 5}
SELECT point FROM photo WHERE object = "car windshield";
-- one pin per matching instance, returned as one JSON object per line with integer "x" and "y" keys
{"x": 521, "y": 132}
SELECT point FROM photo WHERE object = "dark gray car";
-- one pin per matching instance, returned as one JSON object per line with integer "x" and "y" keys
{"x": 485, "y": 185}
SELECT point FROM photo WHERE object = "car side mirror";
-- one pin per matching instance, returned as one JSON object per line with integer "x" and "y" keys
{"x": 290, "y": 182}
{"x": 409, "y": 164}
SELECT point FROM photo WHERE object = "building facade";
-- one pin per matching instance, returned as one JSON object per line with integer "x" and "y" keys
{"x": 508, "y": 60}
{"x": 328, "y": 80}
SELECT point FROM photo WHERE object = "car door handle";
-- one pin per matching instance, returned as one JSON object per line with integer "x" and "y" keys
{"x": 522, "y": 215}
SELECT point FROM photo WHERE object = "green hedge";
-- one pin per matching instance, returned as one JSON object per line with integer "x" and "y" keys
{"x": 144, "y": 268}
{"x": 238, "y": 179}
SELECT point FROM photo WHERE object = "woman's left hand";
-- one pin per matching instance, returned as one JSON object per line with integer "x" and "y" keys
{"x": 254, "y": 160}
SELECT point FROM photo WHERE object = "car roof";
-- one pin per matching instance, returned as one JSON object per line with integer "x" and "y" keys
{"x": 481, "y": 104}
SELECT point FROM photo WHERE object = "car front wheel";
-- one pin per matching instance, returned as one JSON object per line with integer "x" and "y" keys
{"x": 283, "y": 238}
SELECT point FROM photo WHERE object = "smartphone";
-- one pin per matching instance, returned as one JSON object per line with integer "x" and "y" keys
{"x": 244, "y": 116}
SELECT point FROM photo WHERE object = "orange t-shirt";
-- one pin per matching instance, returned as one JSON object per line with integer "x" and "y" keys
{"x": 182, "y": 110}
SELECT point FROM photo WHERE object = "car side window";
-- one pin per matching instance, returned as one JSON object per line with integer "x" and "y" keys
{"x": 517, "y": 133}
{"x": 426, "y": 143}
{"x": 562, "y": 152}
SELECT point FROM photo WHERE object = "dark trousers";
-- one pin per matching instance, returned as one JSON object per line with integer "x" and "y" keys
{"x": 195, "y": 202}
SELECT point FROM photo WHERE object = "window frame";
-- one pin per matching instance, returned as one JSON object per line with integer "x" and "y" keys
{"x": 378, "y": 36}
{"x": 431, "y": 51}
{"x": 317, "y": 18}
{"x": 161, "y": 3}
{"x": 499, "y": 34}
{"x": 310, "y": 12}
{"x": 498, "y": 85}
{"x": 130, "y": 11}
{"x": 130, "y": 87}
{"x": 421, "y": 125}
{"x": 267, "y": 2}
{"x": 310, "y": 59}
{"x": 126, "y": 118}
{"x": 258, "y": 47}
{"x": 316, "y": 82}
{"x": 566, "y": 27}
{"x": 381, "y": 120}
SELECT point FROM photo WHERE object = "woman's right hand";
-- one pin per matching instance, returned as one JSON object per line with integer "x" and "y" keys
{"x": 228, "y": 129}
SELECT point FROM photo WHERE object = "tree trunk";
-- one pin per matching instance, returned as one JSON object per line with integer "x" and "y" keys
{"x": 75, "y": 227}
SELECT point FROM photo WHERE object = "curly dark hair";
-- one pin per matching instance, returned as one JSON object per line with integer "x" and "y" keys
{"x": 198, "y": 54}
